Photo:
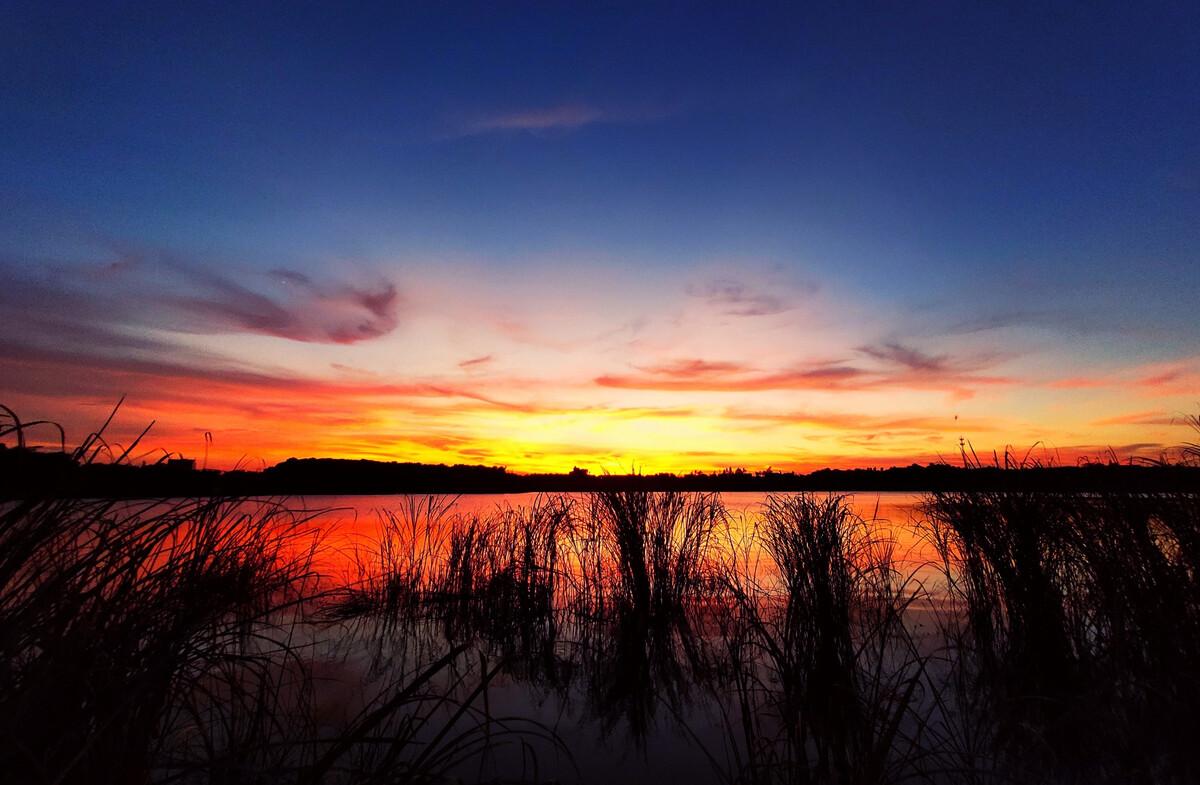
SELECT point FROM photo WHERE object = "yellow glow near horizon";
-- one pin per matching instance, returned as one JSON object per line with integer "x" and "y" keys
{"x": 485, "y": 372}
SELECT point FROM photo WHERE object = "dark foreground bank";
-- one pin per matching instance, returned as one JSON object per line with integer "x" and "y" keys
{"x": 1051, "y": 634}
{"x": 617, "y": 636}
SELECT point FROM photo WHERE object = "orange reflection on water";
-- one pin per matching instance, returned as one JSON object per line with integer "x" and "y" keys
{"x": 351, "y": 528}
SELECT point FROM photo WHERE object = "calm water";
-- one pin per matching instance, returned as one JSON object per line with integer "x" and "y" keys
{"x": 601, "y": 751}
{"x": 353, "y": 523}
{"x": 603, "y": 688}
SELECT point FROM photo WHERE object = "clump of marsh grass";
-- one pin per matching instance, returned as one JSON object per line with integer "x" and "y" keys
{"x": 647, "y": 559}
{"x": 177, "y": 640}
{"x": 822, "y": 664}
{"x": 113, "y": 616}
{"x": 518, "y": 606}
{"x": 1079, "y": 632}
{"x": 657, "y": 546}
{"x": 395, "y": 573}
{"x": 193, "y": 640}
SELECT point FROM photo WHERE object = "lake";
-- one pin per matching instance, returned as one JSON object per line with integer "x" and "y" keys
{"x": 623, "y": 637}
{"x": 354, "y": 522}
{"x": 678, "y": 731}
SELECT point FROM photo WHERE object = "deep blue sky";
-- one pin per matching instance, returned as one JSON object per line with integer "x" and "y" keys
{"x": 944, "y": 138}
{"x": 969, "y": 167}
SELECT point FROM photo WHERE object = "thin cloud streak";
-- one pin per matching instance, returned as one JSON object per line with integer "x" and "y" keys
{"x": 563, "y": 116}
{"x": 1143, "y": 418}
{"x": 908, "y": 357}
{"x": 904, "y": 367}
{"x": 853, "y": 421}
{"x": 731, "y": 297}
{"x": 1178, "y": 378}
{"x": 825, "y": 377}
{"x": 475, "y": 362}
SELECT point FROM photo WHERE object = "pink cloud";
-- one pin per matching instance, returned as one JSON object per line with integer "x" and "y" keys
{"x": 474, "y": 362}
{"x": 563, "y": 116}
{"x": 1078, "y": 383}
{"x": 305, "y": 311}
{"x": 904, "y": 367}
{"x": 1142, "y": 418}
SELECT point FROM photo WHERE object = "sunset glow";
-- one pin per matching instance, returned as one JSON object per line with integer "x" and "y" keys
{"x": 677, "y": 384}
{"x": 391, "y": 249}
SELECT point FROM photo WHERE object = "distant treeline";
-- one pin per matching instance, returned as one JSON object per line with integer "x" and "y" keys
{"x": 28, "y": 473}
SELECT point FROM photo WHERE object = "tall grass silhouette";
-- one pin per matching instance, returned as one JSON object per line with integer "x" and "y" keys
{"x": 1077, "y": 630}
{"x": 824, "y": 668}
{"x": 178, "y": 639}
{"x": 204, "y": 640}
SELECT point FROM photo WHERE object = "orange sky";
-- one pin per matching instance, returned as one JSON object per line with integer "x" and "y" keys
{"x": 596, "y": 370}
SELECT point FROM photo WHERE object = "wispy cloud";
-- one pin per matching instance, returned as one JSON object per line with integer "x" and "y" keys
{"x": 1166, "y": 378}
{"x": 694, "y": 369}
{"x": 732, "y": 297}
{"x": 906, "y": 366}
{"x": 475, "y": 362}
{"x": 157, "y": 290}
{"x": 854, "y": 421}
{"x": 718, "y": 377}
{"x": 899, "y": 366}
{"x": 1180, "y": 377}
{"x": 1142, "y": 418}
{"x": 302, "y": 311}
{"x": 907, "y": 357}
{"x": 1078, "y": 383}
{"x": 534, "y": 371}
{"x": 568, "y": 115}
{"x": 549, "y": 118}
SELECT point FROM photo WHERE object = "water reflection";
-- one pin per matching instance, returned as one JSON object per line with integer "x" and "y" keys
{"x": 659, "y": 615}
{"x": 622, "y": 636}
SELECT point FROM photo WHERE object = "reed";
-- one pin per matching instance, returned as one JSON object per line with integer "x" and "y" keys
{"x": 180, "y": 640}
{"x": 1078, "y": 630}
{"x": 192, "y": 639}
{"x": 650, "y": 564}
{"x": 115, "y": 615}
{"x": 824, "y": 669}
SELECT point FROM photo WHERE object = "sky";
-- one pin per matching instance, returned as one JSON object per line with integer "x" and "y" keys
{"x": 660, "y": 237}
